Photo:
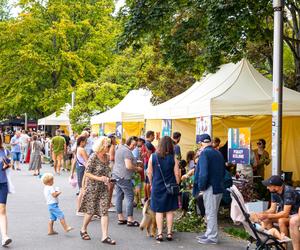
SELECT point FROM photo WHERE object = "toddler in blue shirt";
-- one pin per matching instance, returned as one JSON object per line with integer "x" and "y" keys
{"x": 51, "y": 194}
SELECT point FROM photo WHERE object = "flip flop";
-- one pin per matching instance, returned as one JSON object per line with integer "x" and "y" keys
{"x": 159, "y": 237}
{"x": 133, "y": 224}
{"x": 122, "y": 222}
{"x": 170, "y": 236}
{"x": 53, "y": 233}
{"x": 109, "y": 241}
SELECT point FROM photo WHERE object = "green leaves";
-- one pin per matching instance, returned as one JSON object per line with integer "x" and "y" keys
{"x": 50, "y": 50}
{"x": 198, "y": 35}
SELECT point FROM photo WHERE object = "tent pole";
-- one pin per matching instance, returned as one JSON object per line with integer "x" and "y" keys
{"x": 211, "y": 126}
{"x": 278, "y": 6}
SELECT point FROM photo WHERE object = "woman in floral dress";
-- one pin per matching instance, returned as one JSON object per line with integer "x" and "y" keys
{"x": 95, "y": 199}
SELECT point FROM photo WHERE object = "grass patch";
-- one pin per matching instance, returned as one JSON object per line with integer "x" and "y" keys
{"x": 191, "y": 222}
{"x": 237, "y": 232}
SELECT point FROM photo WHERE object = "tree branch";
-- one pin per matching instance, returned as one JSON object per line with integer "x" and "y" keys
{"x": 288, "y": 42}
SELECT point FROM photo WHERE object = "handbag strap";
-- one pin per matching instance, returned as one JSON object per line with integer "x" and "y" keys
{"x": 159, "y": 167}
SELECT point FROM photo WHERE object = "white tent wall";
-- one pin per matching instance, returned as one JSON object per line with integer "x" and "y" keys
{"x": 57, "y": 118}
{"x": 131, "y": 109}
{"x": 233, "y": 85}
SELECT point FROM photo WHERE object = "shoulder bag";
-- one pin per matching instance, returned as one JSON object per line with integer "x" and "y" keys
{"x": 172, "y": 188}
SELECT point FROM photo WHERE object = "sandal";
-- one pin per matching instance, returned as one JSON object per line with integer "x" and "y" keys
{"x": 133, "y": 224}
{"x": 122, "y": 222}
{"x": 170, "y": 236}
{"x": 85, "y": 236}
{"x": 159, "y": 237}
{"x": 109, "y": 241}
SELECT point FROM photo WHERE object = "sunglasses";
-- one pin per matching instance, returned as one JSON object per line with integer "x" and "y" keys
{"x": 259, "y": 143}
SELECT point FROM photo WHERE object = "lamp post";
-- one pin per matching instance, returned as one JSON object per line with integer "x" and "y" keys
{"x": 278, "y": 7}
{"x": 73, "y": 99}
{"x": 26, "y": 121}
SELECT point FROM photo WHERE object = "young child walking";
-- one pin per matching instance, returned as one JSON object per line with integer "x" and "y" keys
{"x": 51, "y": 195}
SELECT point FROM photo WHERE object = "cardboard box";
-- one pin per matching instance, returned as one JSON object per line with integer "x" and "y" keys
{"x": 257, "y": 206}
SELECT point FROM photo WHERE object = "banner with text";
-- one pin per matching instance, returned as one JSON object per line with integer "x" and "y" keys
{"x": 239, "y": 145}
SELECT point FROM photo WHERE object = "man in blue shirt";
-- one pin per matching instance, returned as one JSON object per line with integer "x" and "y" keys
{"x": 176, "y": 139}
{"x": 15, "y": 143}
{"x": 285, "y": 202}
{"x": 210, "y": 173}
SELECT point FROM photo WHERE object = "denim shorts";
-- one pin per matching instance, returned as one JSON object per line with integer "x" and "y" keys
{"x": 55, "y": 212}
{"x": 80, "y": 173}
{"x": 3, "y": 192}
{"x": 16, "y": 156}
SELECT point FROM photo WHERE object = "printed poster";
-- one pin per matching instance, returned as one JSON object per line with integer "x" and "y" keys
{"x": 203, "y": 126}
{"x": 101, "y": 129}
{"x": 119, "y": 130}
{"x": 239, "y": 145}
{"x": 166, "y": 127}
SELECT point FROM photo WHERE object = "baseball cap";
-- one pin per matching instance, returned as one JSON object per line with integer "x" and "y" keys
{"x": 111, "y": 135}
{"x": 204, "y": 138}
{"x": 274, "y": 180}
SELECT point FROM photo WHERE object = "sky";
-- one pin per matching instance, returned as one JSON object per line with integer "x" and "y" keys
{"x": 16, "y": 10}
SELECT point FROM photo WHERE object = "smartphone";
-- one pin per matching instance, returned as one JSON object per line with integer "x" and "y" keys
{"x": 112, "y": 180}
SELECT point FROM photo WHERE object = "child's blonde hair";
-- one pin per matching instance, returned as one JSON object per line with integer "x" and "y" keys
{"x": 47, "y": 177}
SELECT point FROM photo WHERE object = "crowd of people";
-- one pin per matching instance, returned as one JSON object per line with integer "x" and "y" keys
{"x": 102, "y": 166}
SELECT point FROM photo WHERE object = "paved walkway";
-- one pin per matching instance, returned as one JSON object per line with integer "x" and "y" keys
{"x": 28, "y": 217}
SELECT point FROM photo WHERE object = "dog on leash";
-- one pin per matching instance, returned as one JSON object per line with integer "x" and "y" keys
{"x": 148, "y": 222}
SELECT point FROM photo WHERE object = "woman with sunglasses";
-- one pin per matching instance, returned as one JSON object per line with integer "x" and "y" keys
{"x": 262, "y": 158}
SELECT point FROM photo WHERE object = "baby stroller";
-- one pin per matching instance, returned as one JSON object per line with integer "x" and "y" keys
{"x": 261, "y": 238}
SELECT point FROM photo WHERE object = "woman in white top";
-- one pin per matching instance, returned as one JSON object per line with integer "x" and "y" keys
{"x": 81, "y": 160}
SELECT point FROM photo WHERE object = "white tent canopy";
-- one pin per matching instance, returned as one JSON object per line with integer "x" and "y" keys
{"x": 131, "y": 109}
{"x": 235, "y": 89}
{"x": 61, "y": 119}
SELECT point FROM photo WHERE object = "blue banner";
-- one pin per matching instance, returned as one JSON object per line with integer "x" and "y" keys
{"x": 239, "y": 145}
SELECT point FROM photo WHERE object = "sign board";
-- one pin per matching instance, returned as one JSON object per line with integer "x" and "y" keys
{"x": 101, "y": 129}
{"x": 166, "y": 127}
{"x": 119, "y": 130}
{"x": 203, "y": 126}
{"x": 239, "y": 145}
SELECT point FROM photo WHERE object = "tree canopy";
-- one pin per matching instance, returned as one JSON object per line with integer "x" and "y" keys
{"x": 50, "y": 49}
{"x": 208, "y": 33}
{"x": 55, "y": 47}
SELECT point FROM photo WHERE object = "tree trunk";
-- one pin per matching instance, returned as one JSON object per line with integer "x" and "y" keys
{"x": 297, "y": 74}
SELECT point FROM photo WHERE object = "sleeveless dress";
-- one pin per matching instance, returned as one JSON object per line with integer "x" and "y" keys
{"x": 161, "y": 201}
{"x": 35, "y": 162}
{"x": 95, "y": 200}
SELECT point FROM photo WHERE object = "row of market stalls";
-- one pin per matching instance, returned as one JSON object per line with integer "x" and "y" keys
{"x": 236, "y": 96}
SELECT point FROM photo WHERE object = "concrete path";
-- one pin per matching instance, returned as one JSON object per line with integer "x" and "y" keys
{"x": 28, "y": 217}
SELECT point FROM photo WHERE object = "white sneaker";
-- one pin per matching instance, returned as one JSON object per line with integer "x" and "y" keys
{"x": 201, "y": 237}
{"x": 6, "y": 242}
